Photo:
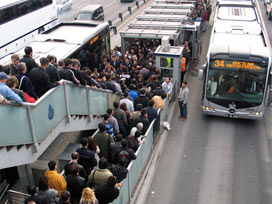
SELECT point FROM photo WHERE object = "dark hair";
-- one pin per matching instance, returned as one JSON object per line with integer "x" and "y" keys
{"x": 92, "y": 144}
{"x": 158, "y": 84}
{"x": 65, "y": 195}
{"x": 102, "y": 127}
{"x": 43, "y": 184}
{"x": 142, "y": 91}
{"x": 103, "y": 163}
{"x": 108, "y": 76}
{"x": 68, "y": 62}
{"x": 109, "y": 111}
{"x": 6, "y": 69}
{"x": 31, "y": 189}
{"x": 106, "y": 116}
{"x": 184, "y": 82}
{"x": 151, "y": 103}
{"x": 44, "y": 61}
{"x": 61, "y": 63}
{"x": 119, "y": 137}
{"x": 52, "y": 164}
{"x": 74, "y": 155}
{"x": 139, "y": 107}
{"x": 115, "y": 104}
{"x": 76, "y": 62}
{"x": 28, "y": 50}
{"x": 50, "y": 57}
{"x": 124, "y": 107}
{"x": 124, "y": 143}
{"x": 112, "y": 180}
{"x": 163, "y": 95}
{"x": 138, "y": 134}
{"x": 126, "y": 94}
{"x": 84, "y": 141}
{"x": 143, "y": 112}
{"x": 74, "y": 169}
{"x": 15, "y": 56}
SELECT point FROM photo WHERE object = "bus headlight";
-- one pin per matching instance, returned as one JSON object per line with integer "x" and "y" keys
{"x": 207, "y": 108}
{"x": 256, "y": 113}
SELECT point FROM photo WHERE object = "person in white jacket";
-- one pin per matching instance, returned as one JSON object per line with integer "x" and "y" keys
{"x": 183, "y": 99}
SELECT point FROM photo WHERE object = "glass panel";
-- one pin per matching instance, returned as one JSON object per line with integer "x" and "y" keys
{"x": 14, "y": 116}
{"x": 49, "y": 113}
{"x": 124, "y": 194}
{"x": 113, "y": 97}
{"x": 98, "y": 102}
{"x": 77, "y": 99}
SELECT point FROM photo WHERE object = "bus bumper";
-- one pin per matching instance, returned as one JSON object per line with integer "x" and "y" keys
{"x": 207, "y": 110}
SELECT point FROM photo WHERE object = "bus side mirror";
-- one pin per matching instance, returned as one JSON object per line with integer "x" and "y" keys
{"x": 114, "y": 29}
{"x": 201, "y": 71}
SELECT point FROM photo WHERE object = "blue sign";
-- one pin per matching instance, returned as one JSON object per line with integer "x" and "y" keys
{"x": 50, "y": 112}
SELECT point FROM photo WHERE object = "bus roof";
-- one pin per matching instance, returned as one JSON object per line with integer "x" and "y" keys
{"x": 241, "y": 44}
{"x": 61, "y": 41}
{"x": 235, "y": 13}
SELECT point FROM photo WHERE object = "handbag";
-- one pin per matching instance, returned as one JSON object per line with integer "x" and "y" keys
{"x": 92, "y": 182}
{"x": 29, "y": 98}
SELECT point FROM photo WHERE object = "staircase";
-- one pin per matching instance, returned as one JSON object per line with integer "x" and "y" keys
{"x": 28, "y": 130}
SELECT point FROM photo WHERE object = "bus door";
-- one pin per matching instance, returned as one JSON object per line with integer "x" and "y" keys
{"x": 192, "y": 34}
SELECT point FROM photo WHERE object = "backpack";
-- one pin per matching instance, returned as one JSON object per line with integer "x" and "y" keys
{"x": 123, "y": 157}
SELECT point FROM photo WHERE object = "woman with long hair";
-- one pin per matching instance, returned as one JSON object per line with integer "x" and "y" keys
{"x": 88, "y": 197}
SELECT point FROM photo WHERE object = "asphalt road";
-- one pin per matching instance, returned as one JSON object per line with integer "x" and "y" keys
{"x": 213, "y": 160}
{"x": 111, "y": 8}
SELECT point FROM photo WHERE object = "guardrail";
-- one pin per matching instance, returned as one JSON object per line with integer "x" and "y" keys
{"x": 34, "y": 122}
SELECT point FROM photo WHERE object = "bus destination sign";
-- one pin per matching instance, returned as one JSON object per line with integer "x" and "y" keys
{"x": 235, "y": 64}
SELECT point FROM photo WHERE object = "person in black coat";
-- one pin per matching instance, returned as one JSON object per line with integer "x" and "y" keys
{"x": 109, "y": 84}
{"x": 25, "y": 83}
{"x": 142, "y": 119}
{"x": 68, "y": 169}
{"x": 52, "y": 70}
{"x": 141, "y": 99}
{"x": 40, "y": 78}
{"x": 75, "y": 184}
{"x": 38, "y": 199}
{"x": 76, "y": 69}
{"x": 107, "y": 193}
{"x": 66, "y": 72}
{"x": 28, "y": 60}
{"x": 115, "y": 62}
{"x": 151, "y": 111}
{"x": 158, "y": 91}
{"x": 65, "y": 198}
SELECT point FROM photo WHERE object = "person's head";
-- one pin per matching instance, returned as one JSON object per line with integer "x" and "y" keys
{"x": 124, "y": 143}
{"x": 51, "y": 58}
{"x": 65, "y": 196}
{"x": 112, "y": 180}
{"x": 84, "y": 142}
{"x": 76, "y": 63}
{"x": 167, "y": 79}
{"x": 28, "y": 51}
{"x": 101, "y": 127}
{"x": 163, "y": 95}
{"x": 142, "y": 92}
{"x": 21, "y": 67}
{"x": 31, "y": 202}
{"x": 43, "y": 184}
{"x": 124, "y": 106}
{"x": 151, "y": 103}
{"x": 186, "y": 43}
{"x": 7, "y": 70}
{"x": 139, "y": 107}
{"x": 3, "y": 77}
{"x": 31, "y": 189}
{"x": 139, "y": 126}
{"x": 108, "y": 76}
{"x": 15, "y": 59}
{"x": 103, "y": 163}
{"x": 88, "y": 196}
{"x": 110, "y": 111}
{"x": 61, "y": 63}
{"x": 68, "y": 62}
{"x": 106, "y": 117}
{"x": 74, "y": 169}
{"x": 126, "y": 94}
{"x": 184, "y": 84}
{"x": 12, "y": 82}
{"x": 119, "y": 137}
{"x": 44, "y": 62}
{"x": 52, "y": 165}
{"x": 115, "y": 104}
{"x": 143, "y": 112}
{"x": 75, "y": 156}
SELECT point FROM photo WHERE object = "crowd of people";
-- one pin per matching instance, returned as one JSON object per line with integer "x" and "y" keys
{"x": 97, "y": 169}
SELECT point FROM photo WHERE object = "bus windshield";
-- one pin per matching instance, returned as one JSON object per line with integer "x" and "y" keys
{"x": 242, "y": 83}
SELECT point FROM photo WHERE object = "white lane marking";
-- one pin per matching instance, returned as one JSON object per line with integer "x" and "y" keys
{"x": 110, "y": 4}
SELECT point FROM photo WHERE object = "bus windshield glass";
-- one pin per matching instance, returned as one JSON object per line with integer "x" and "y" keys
{"x": 239, "y": 82}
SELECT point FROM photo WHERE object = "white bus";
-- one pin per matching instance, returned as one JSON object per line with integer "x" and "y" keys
{"x": 22, "y": 20}
{"x": 238, "y": 63}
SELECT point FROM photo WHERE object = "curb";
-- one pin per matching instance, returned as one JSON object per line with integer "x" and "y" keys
{"x": 155, "y": 157}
